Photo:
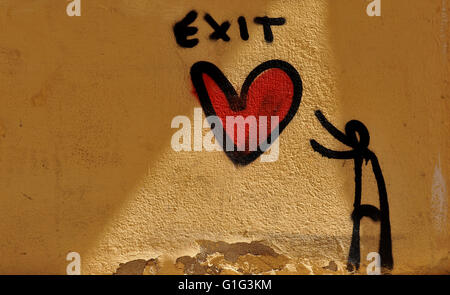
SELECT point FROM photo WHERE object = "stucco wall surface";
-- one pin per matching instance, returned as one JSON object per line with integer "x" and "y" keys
{"x": 87, "y": 166}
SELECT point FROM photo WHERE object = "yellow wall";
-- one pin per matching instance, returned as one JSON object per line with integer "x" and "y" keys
{"x": 86, "y": 163}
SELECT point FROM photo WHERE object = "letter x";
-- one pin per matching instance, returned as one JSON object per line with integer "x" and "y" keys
{"x": 220, "y": 31}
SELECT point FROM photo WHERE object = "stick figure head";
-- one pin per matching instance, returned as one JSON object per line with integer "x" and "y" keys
{"x": 357, "y": 134}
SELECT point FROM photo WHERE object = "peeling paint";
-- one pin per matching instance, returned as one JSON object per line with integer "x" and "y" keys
{"x": 222, "y": 258}
{"x": 331, "y": 266}
{"x": 237, "y": 258}
{"x": 139, "y": 267}
{"x": 135, "y": 267}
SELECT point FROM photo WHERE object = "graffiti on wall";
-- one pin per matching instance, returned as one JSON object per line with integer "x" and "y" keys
{"x": 184, "y": 29}
{"x": 274, "y": 90}
{"x": 357, "y": 137}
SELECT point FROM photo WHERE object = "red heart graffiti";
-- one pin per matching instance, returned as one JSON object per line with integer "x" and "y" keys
{"x": 273, "y": 89}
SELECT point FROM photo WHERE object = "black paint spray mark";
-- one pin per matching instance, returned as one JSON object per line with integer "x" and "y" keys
{"x": 243, "y": 29}
{"x": 357, "y": 137}
{"x": 267, "y": 24}
{"x": 220, "y": 31}
{"x": 182, "y": 30}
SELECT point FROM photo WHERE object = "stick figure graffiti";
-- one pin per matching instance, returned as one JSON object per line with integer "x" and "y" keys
{"x": 357, "y": 137}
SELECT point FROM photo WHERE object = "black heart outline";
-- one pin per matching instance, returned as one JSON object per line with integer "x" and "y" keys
{"x": 238, "y": 102}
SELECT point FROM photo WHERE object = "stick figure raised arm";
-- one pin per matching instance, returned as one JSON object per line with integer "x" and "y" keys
{"x": 336, "y": 134}
{"x": 331, "y": 129}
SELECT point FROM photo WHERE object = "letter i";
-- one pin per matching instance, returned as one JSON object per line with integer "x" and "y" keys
{"x": 243, "y": 29}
